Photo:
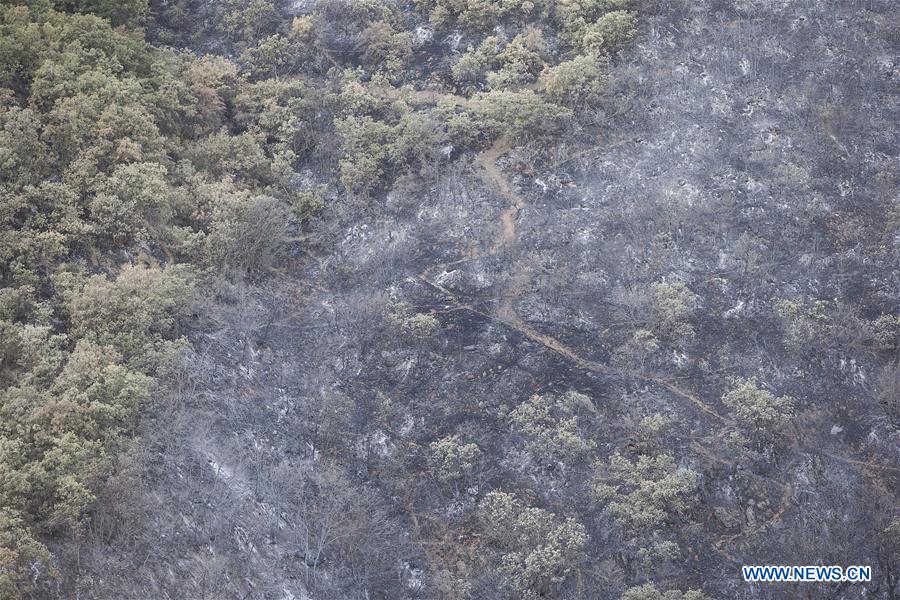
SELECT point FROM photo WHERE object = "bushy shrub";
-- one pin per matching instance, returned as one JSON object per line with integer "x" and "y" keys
{"x": 412, "y": 323}
{"x": 643, "y": 494}
{"x": 382, "y": 147}
{"x": 649, "y": 591}
{"x": 475, "y": 63}
{"x": 449, "y": 459}
{"x": 386, "y": 49}
{"x": 539, "y": 550}
{"x": 136, "y": 312}
{"x": 135, "y": 202}
{"x": 478, "y": 14}
{"x": 517, "y": 114}
{"x": 550, "y": 426}
{"x": 575, "y": 82}
{"x": 608, "y": 32}
{"x": 757, "y": 407}
{"x": 223, "y": 154}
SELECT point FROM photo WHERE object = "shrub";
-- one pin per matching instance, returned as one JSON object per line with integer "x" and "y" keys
{"x": 472, "y": 66}
{"x": 136, "y": 313}
{"x": 419, "y": 325}
{"x": 575, "y": 82}
{"x": 649, "y": 591}
{"x": 119, "y": 12}
{"x": 222, "y": 154}
{"x": 608, "y": 32}
{"x": 247, "y": 20}
{"x": 478, "y": 14}
{"x": 375, "y": 149}
{"x": 517, "y": 114}
{"x": 386, "y": 49}
{"x": 21, "y": 555}
{"x": 757, "y": 407}
{"x": 449, "y": 459}
{"x": 520, "y": 61}
{"x": 215, "y": 82}
{"x": 271, "y": 57}
{"x": 539, "y": 550}
{"x": 671, "y": 306}
{"x": 281, "y": 112}
{"x": 550, "y": 426}
{"x": 135, "y": 202}
{"x": 643, "y": 494}
{"x": 306, "y": 204}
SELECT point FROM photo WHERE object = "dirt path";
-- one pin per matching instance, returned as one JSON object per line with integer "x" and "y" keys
{"x": 505, "y": 313}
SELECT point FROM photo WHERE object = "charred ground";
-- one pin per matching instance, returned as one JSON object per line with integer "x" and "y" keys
{"x": 722, "y": 220}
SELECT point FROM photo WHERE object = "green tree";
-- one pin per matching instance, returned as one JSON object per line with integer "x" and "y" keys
{"x": 608, "y": 32}
{"x": 119, "y": 12}
{"x": 20, "y": 555}
{"x": 385, "y": 48}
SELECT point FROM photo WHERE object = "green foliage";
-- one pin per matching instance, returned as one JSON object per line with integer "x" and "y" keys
{"x": 386, "y": 49}
{"x": 550, "y": 426}
{"x": 595, "y": 26}
{"x": 575, "y": 82}
{"x": 757, "y": 407}
{"x": 517, "y": 114}
{"x": 886, "y": 331}
{"x": 307, "y": 204}
{"x": 539, "y": 550}
{"x": 134, "y": 202}
{"x": 472, "y": 66}
{"x": 119, "y": 12}
{"x": 136, "y": 313}
{"x": 670, "y": 309}
{"x": 412, "y": 323}
{"x": 608, "y": 32}
{"x": 379, "y": 144}
{"x": 644, "y": 493}
{"x": 247, "y": 20}
{"x": 224, "y": 154}
{"x": 649, "y": 591}
{"x": 478, "y": 14}
{"x": 806, "y": 321}
{"x": 520, "y": 61}
{"x": 269, "y": 58}
{"x": 20, "y": 553}
{"x": 449, "y": 459}
{"x": 214, "y": 82}
{"x": 65, "y": 409}
{"x": 461, "y": 129}
{"x": 107, "y": 146}
{"x": 281, "y": 115}
{"x": 502, "y": 65}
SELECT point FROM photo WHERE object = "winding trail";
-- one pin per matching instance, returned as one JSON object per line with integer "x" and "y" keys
{"x": 519, "y": 278}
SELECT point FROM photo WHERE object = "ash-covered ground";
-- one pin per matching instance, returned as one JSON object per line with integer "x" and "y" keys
{"x": 729, "y": 211}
